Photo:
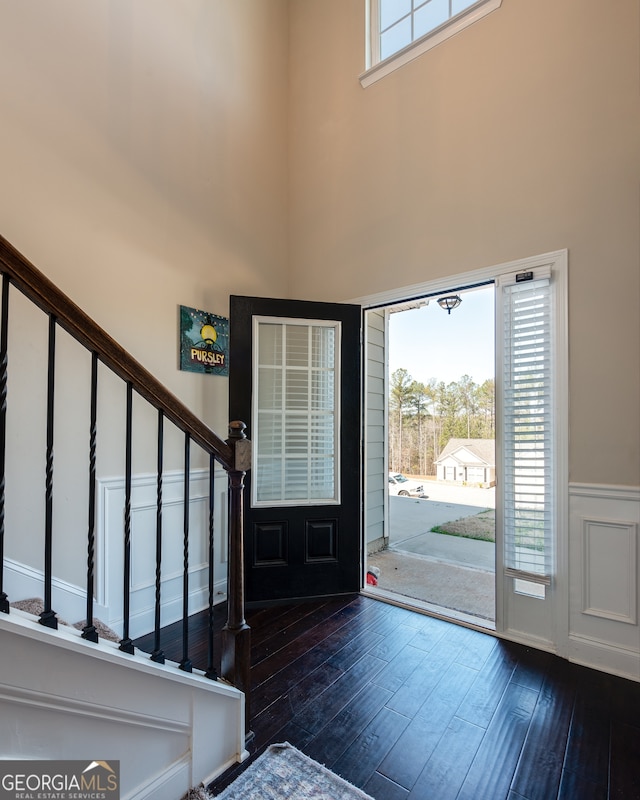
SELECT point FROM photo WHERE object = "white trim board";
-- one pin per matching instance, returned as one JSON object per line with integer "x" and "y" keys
{"x": 469, "y": 278}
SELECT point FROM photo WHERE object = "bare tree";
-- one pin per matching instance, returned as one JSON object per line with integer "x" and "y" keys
{"x": 400, "y": 399}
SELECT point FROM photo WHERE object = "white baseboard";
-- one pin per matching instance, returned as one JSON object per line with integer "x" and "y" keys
{"x": 68, "y": 601}
{"x": 603, "y": 656}
{"x": 167, "y": 785}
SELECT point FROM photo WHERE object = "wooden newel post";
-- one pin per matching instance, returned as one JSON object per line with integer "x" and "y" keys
{"x": 236, "y": 634}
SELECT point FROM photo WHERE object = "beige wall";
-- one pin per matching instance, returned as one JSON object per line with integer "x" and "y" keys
{"x": 143, "y": 164}
{"x": 519, "y": 136}
{"x": 143, "y": 158}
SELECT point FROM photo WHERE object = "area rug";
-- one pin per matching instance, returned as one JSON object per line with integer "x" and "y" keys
{"x": 284, "y": 773}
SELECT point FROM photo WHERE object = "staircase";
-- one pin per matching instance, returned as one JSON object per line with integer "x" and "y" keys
{"x": 116, "y": 502}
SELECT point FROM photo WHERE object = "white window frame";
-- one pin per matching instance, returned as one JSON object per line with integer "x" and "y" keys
{"x": 377, "y": 68}
{"x": 255, "y": 427}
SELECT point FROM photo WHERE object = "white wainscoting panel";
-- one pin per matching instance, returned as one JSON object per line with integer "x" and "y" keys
{"x": 69, "y": 599}
{"x": 110, "y": 552}
{"x": 603, "y": 581}
{"x": 606, "y": 542}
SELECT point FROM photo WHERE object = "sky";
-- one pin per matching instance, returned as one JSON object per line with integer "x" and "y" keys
{"x": 429, "y": 343}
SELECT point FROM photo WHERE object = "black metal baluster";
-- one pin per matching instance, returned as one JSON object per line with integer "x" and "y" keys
{"x": 48, "y": 616}
{"x": 4, "y": 340}
{"x": 158, "y": 655}
{"x": 89, "y": 631}
{"x": 185, "y": 664}
{"x": 211, "y": 672}
{"x": 126, "y": 645}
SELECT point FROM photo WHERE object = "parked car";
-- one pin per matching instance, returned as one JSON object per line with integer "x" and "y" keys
{"x": 404, "y": 487}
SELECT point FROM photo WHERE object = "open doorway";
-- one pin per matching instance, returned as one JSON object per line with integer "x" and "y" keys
{"x": 531, "y": 422}
{"x": 439, "y": 409}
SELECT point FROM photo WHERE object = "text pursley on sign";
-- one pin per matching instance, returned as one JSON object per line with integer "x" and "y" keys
{"x": 59, "y": 780}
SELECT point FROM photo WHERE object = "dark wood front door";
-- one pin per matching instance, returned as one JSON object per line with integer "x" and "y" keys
{"x": 294, "y": 379}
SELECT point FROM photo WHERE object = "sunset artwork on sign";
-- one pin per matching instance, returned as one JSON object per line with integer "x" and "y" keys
{"x": 204, "y": 342}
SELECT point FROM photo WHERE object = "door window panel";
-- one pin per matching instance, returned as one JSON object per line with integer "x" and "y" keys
{"x": 270, "y": 345}
{"x": 295, "y": 428}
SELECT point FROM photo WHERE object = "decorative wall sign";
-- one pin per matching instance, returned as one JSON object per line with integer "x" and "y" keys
{"x": 204, "y": 342}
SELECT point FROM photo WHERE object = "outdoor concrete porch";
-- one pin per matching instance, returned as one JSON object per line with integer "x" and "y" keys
{"x": 451, "y": 573}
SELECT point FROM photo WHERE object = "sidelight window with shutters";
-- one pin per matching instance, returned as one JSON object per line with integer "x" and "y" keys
{"x": 528, "y": 424}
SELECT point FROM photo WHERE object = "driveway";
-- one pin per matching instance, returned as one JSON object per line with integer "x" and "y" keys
{"x": 411, "y": 520}
{"x": 446, "y": 572}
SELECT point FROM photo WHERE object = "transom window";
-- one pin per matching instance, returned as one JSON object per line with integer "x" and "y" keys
{"x": 404, "y": 21}
{"x": 400, "y": 30}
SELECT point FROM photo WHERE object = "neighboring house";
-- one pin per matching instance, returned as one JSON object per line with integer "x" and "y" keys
{"x": 468, "y": 461}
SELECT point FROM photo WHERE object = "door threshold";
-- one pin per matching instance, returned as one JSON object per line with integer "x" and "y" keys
{"x": 446, "y": 614}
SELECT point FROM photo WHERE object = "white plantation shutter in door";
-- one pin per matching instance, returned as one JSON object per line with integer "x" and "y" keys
{"x": 296, "y": 425}
{"x": 528, "y": 343}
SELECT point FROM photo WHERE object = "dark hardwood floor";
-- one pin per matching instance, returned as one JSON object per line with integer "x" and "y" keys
{"x": 408, "y": 706}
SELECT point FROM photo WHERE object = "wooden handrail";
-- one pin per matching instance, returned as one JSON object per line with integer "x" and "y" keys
{"x": 234, "y": 455}
{"x": 41, "y": 291}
